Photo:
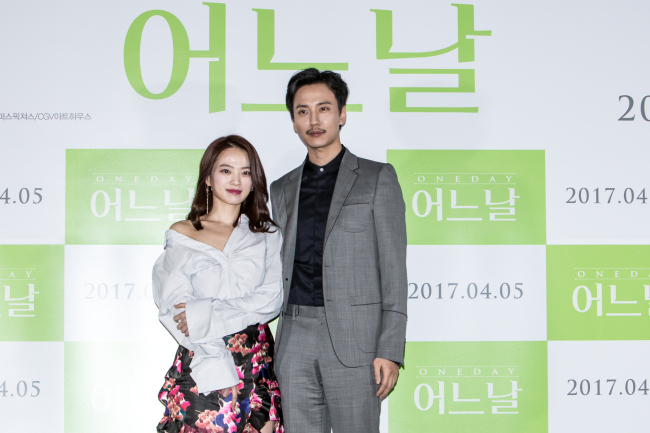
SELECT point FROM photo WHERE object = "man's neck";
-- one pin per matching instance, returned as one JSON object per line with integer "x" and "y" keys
{"x": 321, "y": 156}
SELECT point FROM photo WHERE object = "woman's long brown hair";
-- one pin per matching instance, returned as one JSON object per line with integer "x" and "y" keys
{"x": 254, "y": 207}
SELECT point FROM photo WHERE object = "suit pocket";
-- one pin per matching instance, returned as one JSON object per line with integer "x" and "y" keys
{"x": 354, "y": 218}
{"x": 357, "y": 199}
{"x": 367, "y": 320}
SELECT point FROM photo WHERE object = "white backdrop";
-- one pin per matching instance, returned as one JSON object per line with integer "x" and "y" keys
{"x": 549, "y": 78}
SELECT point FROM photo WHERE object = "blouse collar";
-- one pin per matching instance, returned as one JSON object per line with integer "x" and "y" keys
{"x": 235, "y": 237}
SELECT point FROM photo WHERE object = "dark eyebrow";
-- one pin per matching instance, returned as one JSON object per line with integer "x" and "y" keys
{"x": 320, "y": 103}
{"x": 228, "y": 165}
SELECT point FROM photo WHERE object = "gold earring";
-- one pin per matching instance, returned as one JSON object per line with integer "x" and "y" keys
{"x": 207, "y": 199}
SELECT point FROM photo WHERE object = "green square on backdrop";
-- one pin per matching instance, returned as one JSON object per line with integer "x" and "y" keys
{"x": 110, "y": 383}
{"x": 598, "y": 292}
{"x": 473, "y": 197}
{"x": 31, "y": 300}
{"x": 459, "y": 387}
{"x": 127, "y": 196}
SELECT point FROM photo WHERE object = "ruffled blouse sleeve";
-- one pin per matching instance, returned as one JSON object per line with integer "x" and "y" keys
{"x": 213, "y": 367}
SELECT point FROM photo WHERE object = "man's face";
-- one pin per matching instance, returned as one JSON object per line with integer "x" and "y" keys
{"x": 316, "y": 117}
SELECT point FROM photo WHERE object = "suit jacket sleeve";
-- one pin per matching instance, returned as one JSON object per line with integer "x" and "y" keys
{"x": 390, "y": 226}
{"x": 275, "y": 197}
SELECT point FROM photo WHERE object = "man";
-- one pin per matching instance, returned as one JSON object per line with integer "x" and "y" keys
{"x": 340, "y": 338}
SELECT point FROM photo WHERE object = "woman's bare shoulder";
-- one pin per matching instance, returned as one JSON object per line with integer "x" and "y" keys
{"x": 184, "y": 227}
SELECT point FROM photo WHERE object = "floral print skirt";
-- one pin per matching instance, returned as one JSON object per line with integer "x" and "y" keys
{"x": 187, "y": 411}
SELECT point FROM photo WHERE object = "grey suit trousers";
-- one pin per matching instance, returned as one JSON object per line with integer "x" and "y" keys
{"x": 318, "y": 392}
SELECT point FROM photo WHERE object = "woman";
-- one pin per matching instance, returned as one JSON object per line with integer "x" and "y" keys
{"x": 216, "y": 286}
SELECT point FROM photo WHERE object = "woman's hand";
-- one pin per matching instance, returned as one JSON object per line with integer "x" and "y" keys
{"x": 181, "y": 320}
{"x": 234, "y": 389}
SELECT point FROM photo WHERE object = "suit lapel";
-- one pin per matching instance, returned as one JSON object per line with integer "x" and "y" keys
{"x": 291, "y": 191}
{"x": 344, "y": 182}
{"x": 292, "y": 195}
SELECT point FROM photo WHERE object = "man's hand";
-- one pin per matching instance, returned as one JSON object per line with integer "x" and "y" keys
{"x": 389, "y": 370}
{"x": 181, "y": 320}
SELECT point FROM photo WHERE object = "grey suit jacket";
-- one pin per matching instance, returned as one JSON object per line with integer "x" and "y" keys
{"x": 364, "y": 259}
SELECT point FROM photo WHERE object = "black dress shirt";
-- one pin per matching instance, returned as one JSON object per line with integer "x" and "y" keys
{"x": 316, "y": 190}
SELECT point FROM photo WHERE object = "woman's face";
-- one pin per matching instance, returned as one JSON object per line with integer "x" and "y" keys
{"x": 231, "y": 179}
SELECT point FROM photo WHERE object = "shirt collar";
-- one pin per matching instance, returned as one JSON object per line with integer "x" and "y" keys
{"x": 330, "y": 167}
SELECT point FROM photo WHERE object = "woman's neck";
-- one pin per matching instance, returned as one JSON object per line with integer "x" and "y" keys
{"x": 223, "y": 213}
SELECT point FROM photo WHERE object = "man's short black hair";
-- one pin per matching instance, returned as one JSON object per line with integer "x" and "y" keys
{"x": 314, "y": 76}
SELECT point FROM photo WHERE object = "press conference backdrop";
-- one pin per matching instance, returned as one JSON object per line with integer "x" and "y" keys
{"x": 519, "y": 132}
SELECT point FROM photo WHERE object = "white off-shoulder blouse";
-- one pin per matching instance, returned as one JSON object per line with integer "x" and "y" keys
{"x": 224, "y": 291}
